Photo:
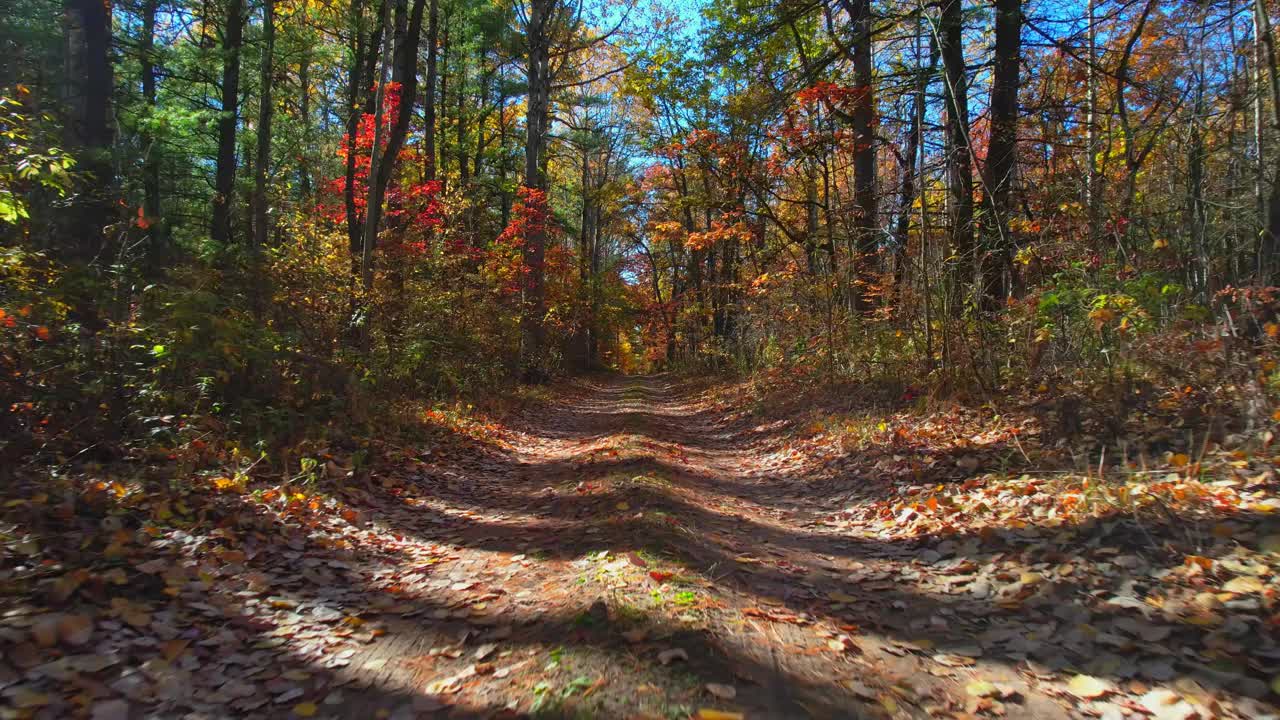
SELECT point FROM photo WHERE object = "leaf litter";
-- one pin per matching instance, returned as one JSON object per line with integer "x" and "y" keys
{"x": 624, "y": 565}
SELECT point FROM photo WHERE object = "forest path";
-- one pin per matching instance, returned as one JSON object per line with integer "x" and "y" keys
{"x": 632, "y": 550}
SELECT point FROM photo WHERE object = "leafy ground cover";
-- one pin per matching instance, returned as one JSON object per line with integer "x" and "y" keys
{"x": 647, "y": 547}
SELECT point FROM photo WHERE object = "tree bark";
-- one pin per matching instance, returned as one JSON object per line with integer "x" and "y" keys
{"x": 907, "y": 192}
{"x": 864, "y": 157}
{"x": 151, "y": 202}
{"x": 405, "y": 73}
{"x": 959, "y": 160}
{"x": 1267, "y": 255}
{"x": 261, "y": 209}
{"x": 1002, "y": 153}
{"x": 225, "y": 173}
{"x": 88, "y": 127}
{"x": 429, "y": 97}
{"x": 533, "y": 309}
{"x": 304, "y": 113}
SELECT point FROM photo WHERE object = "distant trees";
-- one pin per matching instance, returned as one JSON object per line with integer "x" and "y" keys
{"x": 958, "y": 158}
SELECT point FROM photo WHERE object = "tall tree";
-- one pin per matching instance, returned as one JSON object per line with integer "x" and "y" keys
{"x": 959, "y": 153}
{"x": 537, "y": 120}
{"x": 404, "y": 73}
{"x": 864, "y": 154}
{"x": 1269, "y": 250}
{"x": 89, "y": 82}
{"x": 151, "y": 204}
{"x": 261, "y": 204}
{"x": 429, "y": 97}
{"x": 224, "y": 182}
{"x": 1002, "y": 153}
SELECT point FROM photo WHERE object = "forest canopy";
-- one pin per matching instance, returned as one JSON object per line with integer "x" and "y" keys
{"x": 283, "y": 205}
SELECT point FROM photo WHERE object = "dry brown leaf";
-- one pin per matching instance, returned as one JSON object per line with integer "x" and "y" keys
{"x": 75, "y": 629}
{"x": 666, "y": 657}
{"x": 724, "y": 692}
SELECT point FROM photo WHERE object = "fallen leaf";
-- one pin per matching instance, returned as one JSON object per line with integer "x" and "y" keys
{"x": 45, "y": 631}
{"x": 666, "y": 657}
{"x": 1243, "y": 585}
{"x": 724, "y": 692}
{"x": 981, "y": 688}
{"x": 1088, "y": 686}
{"x": 75, "y": 629}
{"x": 842, "y": 643}
{"x": 110, "y": 710}
{"x": 706, "y": 714}
{"x": 1167, "y": 705}
{"x": 305, "y": 709}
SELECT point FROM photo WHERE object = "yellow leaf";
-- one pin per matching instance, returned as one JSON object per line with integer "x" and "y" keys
{"x": 1244, "y": 585}
{"x": 305, "y": 709}
{"x": 1179, "y": 460}
{"x": 1088, "y": 686}
{"x": 1204, "y": 619}
{"x": 981, "y": 688}
{"x": 707, "y": 714}
{"x": 841, "y": 597}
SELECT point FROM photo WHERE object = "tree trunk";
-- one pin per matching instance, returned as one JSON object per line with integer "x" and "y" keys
{"x": 1002, "y": 154}
{"x": 88, "y": 127}
{"x": 1267, "y": 255}
{"x": 538, "y": 67}
{"x": 959, "y": 161}
{"x": 304, "y": 114}
{"x": 261, "y": 211}
{"x": 225, "y": 173}
{"x": 585, "y": 260}
{"x": 429, "y": 97}
{"x": 151, "y": 204}
{"x": 405, "y": 73}
{"x": 907, "y": 193}
{"x": 1092, "y": 179}
{"x": 864, "y": 158}
{"x": 442, "y": 111}
{"x": 461, "y": 124}
{"x": 364, "y": 53}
